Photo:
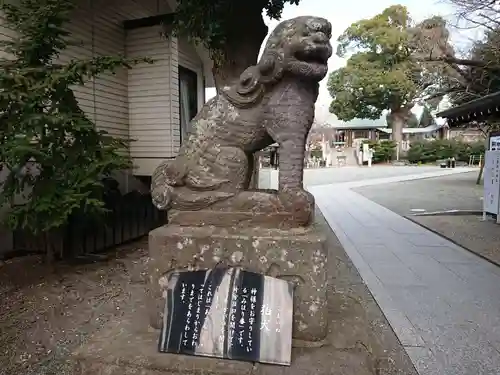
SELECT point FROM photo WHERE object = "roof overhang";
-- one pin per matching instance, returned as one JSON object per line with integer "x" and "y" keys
{"x": 427, "y": 129}
{"x": 357, "y": 127}
{"x": 479, "y": 109}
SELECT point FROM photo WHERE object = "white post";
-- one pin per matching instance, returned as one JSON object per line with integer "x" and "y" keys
{"x": 397, "y": 151}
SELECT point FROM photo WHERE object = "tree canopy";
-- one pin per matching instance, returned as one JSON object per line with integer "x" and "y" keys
{"x": 479, "y": 13}
{"x": 478, "y": 81}
{"x": 383, "y": 70}
{"x": 215, "y": 22}
{"x": 477, "y": 73}
{"x": 393, "y": 64}
{"x": 233, "y": 31}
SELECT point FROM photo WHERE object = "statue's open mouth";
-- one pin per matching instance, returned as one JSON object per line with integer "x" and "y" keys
{"x": 317, "y": 55}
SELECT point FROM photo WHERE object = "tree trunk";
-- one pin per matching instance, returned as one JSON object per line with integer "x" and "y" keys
{"x": 486, "y": 133}
{"x": 480, "y": 175}
{"x": 244, "y": 39}
{"x": 396, "y": 120}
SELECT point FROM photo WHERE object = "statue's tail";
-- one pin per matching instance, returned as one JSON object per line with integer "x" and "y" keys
{"x": 174, "y": 185}
{"x": 168, "y": 174}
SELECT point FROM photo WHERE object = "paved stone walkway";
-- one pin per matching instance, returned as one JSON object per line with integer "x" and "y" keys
{"x": 442, "y": 301}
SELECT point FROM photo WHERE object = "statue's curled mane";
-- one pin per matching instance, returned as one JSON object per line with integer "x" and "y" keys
{"x": 254, "y": 81}
{"x": 252, "y": 84}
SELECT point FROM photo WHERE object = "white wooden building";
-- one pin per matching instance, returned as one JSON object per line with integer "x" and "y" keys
{"x": 149, "y": 103}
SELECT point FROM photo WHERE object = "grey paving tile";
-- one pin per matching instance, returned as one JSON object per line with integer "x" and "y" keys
{"x": 378, "y": 253}
{"x": 428, "y": 239}
{"x": 403, "y": 228}
{"x": 468, "y": 303}
{"x": 449, "y": 334}
{"x": 396, "y": 275}
{"x": 432, "y": 272}
{"x": 425, "y": 362}
{"x": 423, "y": 306}
{"x": 361, "y": 238}
{"x": 476, "y": 275}
{"x": 452, "y": 254}
{"x": 493, "y": 337}
{"x": 404, "y": 329}
{"x": 432, "y": 292}
{"x": 399, "y": 245}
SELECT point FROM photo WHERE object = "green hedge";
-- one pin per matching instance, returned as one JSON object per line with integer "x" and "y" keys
{"x": 431, "y": 151}
{"x": 382, "y": 150}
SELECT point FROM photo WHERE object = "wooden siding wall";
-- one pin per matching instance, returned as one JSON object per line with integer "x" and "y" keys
{"x": 97, "y": 26}
{"x": 151, "y": 102}
{"x": 154, "y": 123}
{"x": 141, "y": 103}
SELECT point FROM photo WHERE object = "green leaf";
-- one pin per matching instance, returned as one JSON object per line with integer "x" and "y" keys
{"x": 53, "y": 154}
{"x": 384, "y": 70}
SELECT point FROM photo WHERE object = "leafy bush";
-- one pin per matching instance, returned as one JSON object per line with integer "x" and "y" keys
{"x": 431, "y": 151}
{"x": 53, "y": 154}
{"x": 383, "y": 151}
{"x": 316, "y": 152}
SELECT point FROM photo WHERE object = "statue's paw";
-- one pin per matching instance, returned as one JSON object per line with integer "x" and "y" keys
{"x": 299, "y": 202}
{"x": 162, "y": 196}
{"x": 205, "y": 181}
{"x": 296, "y": 196}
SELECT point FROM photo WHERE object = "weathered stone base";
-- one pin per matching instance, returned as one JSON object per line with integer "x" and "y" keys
{"x": 298, "y": 255}
{"x": 203, "y": 218}
{"x": 121, "y": 348}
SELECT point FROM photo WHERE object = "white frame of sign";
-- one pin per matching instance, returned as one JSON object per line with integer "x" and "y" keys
{"x": 491, "y": 191}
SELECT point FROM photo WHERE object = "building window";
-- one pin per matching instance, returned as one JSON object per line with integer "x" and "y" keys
{"x": 188, "y": 99}
{"x": 364, "y": 134}
{"x": 339, "y": 137}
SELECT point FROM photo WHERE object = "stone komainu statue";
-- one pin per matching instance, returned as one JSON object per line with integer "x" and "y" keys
{"x": 273, "y": 101}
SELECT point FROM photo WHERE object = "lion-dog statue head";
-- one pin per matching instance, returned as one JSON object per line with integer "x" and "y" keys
{"x": 299, "y": 47}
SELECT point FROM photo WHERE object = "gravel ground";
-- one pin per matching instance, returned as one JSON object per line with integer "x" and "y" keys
{"x": 453, "y": 192}
{"x": 482, "y": 238}
{"x": 45, "y": 315}
{"x": 458, "y": 192}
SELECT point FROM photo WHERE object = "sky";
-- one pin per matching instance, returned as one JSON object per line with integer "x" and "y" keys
{"x": 343, "y": 13}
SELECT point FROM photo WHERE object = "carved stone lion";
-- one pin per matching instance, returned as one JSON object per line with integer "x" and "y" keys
{"x": 208, "y": 182}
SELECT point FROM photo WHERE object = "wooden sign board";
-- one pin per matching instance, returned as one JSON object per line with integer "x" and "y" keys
{"x": 228, "y": 313}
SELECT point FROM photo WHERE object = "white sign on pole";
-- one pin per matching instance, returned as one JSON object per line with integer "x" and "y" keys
{"x": 491, "y": 182}
{"x": 495, "y": 143}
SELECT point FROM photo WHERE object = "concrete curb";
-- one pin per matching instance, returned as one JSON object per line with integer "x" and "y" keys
{"x": 450, "y": 213}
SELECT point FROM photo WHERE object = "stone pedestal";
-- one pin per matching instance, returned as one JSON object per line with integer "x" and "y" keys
{"x": 298, "y": 255}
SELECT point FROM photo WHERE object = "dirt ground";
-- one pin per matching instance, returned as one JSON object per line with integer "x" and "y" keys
{"x": 45, "y": 316}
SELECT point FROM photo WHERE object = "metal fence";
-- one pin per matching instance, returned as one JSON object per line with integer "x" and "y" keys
{"x": 130, "y": 216}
